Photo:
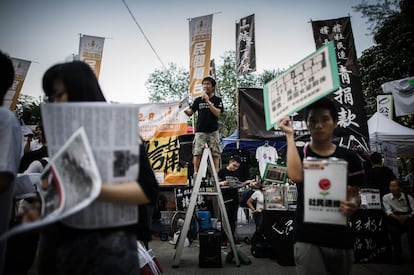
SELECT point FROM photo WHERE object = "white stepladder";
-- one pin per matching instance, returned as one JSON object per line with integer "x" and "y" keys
{"x": 205, "y": 163}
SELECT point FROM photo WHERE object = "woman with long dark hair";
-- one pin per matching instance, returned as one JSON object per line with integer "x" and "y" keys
{"x": 106, "y": 249}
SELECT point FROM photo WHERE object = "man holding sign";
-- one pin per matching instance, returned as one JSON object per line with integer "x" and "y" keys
{"x": 322, "y": 248}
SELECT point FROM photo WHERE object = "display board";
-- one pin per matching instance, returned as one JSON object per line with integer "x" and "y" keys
{"x": 275, "y": 173}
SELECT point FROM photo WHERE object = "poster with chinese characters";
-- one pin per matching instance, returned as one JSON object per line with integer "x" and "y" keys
{"x": 200, "y": 48}
{"x": 245, "y": 46}
{"x": 312, "y": 78}
{"x": 21, "y": 67}
{"x": 352, "y": 121}
{"x": 90, "y": 52}
{"x": 160, "y": 125}
{"x": 325, "y": 185}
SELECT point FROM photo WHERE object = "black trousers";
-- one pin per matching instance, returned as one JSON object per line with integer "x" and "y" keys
{"x": 395, "y": 229}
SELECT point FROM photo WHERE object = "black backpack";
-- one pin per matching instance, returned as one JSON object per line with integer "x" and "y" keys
{"x": 245, "y": 196}
{"x": 260, "y": 246}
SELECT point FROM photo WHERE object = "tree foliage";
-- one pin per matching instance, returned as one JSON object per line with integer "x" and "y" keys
{"x": 28, "y": 109}
{"x": 377, "y": 13}
{"x": 168, "y": 84}
{"x": 392, "y": 57}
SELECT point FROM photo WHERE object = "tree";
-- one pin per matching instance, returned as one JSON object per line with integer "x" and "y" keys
{"x": 28, "y": 109}
{"x": 168, "y": 84}
{"x": 392, "y": 57}
{"x": 377, "y": 13}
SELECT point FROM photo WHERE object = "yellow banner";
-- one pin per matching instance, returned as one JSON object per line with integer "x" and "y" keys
{"x": 21, "y": 67}
{"x": 160, "y": 124}
{"x": 90, "y": 52}
{"x": 200, "y": 51}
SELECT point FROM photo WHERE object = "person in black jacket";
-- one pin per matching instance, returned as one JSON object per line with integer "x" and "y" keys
{"x": 379, "y": 176}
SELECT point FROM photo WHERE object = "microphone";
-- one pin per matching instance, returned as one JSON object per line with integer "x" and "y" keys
{"x": 202, "y": 96}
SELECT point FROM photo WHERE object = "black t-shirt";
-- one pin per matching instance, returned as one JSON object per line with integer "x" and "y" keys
{"x": 244, "y": 163}
{"x": 230, "y": 195}
{"x": 207, "y": 122}
{"x": 380, "y": 177}
{"x": 335, "y": 236}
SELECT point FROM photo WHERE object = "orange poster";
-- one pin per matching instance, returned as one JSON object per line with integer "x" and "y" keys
{"x": 90, "y": 51}
{"x": 200, "y": 50}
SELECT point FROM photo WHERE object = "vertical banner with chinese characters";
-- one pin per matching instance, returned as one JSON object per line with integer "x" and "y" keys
{"x": 21, "y": 67}
{"x": 352, "y": 119}
{"x": 385, "y": 105}
{"x": 245, "y": 46}
{"x": 200, "y": 49}
{"x": 160, "y": 124}
{"x": 90, "y": 51}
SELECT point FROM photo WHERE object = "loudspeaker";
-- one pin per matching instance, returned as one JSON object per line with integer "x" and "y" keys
{"x": 185, "y": 151}
{"x": 210, "y": 250}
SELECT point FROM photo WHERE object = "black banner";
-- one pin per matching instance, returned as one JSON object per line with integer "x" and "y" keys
{"x": 245, "y": 46}
{"x": 349, "y": 98}
{"x": 252, "y": 123}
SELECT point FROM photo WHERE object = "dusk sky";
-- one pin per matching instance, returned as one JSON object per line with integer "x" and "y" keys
{"x": 46, "y": 32}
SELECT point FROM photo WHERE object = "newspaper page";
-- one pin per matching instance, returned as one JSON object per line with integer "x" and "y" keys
{"x": 112, "y": 130}
{"x": 69, "y": 183}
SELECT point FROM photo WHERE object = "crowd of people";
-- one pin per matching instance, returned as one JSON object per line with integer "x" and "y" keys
{"x": 75, "y": 248}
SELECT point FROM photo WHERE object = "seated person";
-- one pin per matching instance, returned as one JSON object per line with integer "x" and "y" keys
{"x": 399, "y": 208}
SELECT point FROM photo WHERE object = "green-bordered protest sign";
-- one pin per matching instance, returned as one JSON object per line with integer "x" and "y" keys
{"x": 312, "y": 78}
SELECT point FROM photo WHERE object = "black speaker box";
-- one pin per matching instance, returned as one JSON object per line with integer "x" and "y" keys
{"x": 210, "y": 250}
{"x": 185, "y": 151}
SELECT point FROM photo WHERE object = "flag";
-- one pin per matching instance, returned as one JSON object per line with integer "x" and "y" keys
{"x": 385, "y": 105}
{"x": 349, "y": 98}
{"x": 200, "y": 49}
{"x": 245, "y": 46}
{"x": 90, "y": 51}
{"x": 21, "y": 67}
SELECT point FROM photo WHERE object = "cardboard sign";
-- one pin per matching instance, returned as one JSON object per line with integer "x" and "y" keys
{"x": 312, "y": 78}
{"x": 325, "y": 182}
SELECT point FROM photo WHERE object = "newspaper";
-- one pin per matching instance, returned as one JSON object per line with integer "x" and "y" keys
{"x": 112, "y": 130}
{"x": 113, "y": 133}
{"x": 63, "y": 191}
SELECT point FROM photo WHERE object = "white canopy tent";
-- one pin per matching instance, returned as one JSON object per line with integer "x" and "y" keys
{"x": 384, "y": 131}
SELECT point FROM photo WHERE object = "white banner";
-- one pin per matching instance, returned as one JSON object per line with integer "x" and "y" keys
{"x": 385, "y": 105}
{"x": 162, "y": 120}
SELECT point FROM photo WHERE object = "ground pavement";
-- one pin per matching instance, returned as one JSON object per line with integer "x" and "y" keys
{"x": 164, "y": 252}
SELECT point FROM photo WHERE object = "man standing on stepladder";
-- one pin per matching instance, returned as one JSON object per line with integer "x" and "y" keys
{"x": 209, "y": 107}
